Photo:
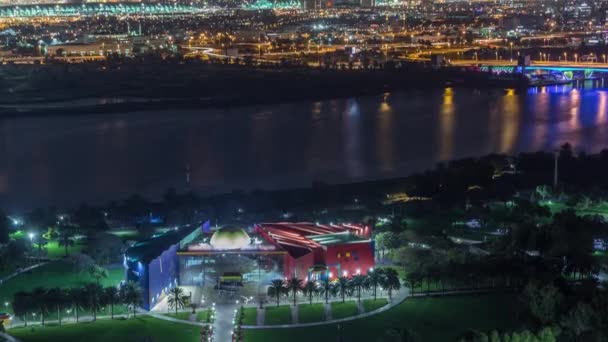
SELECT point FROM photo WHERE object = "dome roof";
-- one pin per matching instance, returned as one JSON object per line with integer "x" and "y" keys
{"x": 230, "y": 238}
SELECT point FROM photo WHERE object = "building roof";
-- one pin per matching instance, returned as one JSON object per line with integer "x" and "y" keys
{"x": 149, "y": 249}
{"x": 230, "y": 238}
{"x": 301, "y": 238}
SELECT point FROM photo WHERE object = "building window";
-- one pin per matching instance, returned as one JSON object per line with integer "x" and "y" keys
{"x": 339, "y": 255}
{"x": 355, "y": 255}
{"x": 348, "y": 254}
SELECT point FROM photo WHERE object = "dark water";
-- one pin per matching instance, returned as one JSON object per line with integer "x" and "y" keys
{"x": 95, "y": 158}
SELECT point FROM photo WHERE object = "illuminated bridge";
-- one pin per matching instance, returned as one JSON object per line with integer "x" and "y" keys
{"x": 60, "y": 10}
{"x": 570, "y": 70}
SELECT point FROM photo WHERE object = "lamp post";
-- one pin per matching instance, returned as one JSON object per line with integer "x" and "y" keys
{"x": 575, "y": 58}
{"x": 511, "y": 50}
{"x": 604, "y": 57}
{"x": 565, "y": 57}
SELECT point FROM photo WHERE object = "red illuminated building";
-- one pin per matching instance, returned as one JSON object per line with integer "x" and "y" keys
{"x": 315, "y": 251}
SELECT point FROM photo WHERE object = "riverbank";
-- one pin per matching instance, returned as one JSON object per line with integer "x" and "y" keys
{"x": 38, "y": 90}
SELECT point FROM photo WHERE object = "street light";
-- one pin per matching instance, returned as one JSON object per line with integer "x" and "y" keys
{"x": 511, "y": 50}
{"x": 565, "y": 57}
{"x": 31, "y": 236}
{"x": 575, "y": 58}
{"x": 604, "y": 57}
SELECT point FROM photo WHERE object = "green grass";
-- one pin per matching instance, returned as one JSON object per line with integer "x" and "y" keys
{"x": 426, "y": 319}
{"x": 54, "y": 274}
{"x": 371, "y": 305}
{"x": 54, "y": 251}
{"x": 277, "y": 315}
{"x": 203, "y": 316}
{"x": 134, "y": 329}
{"x": 250, "y": 317}
{"x": 311, "y": 313}
{"x": 180, "y": 315}
{"x": 346, "y": 309}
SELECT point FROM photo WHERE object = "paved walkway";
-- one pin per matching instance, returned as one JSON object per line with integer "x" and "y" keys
{"x": 13, "y": 275}
{"x": 222, "y": 326}
{"x": 171, "y": 319}
{"x": 7, "y": 337}
{"x": 294, "y": 314}
{"x": 261, "y": 316}
{"x": 397, "y": 299}
{"x": 328, "y": 315}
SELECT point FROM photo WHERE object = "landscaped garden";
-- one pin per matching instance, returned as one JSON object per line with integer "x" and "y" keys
{"x": 371, "y": 305}
{"x": 425, "y": 319}
{"x": 142, "y": 328}
{"x": 346, "y": 309}
{"x": 277, "y": 315}
{"x": 309, "y": 313}
{"x": 249, "y": 316}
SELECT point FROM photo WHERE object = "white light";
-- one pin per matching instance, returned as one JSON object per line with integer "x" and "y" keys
{"x": 331, "y": 274}
{"x": 345, "y": 273}
{"x": 358, "y": 271}
{"x": 237, "y": 301}
{"x": 31, "y": 236}
{"x": 371, "y": 269}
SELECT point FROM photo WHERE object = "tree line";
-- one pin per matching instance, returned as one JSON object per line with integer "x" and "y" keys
{"x": 342, "y": 287}
{"x": 92, "y": 297}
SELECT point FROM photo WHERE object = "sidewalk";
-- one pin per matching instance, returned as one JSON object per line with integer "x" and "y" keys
{"x": 13, "y": 275}
{"x": 397, "y": 299}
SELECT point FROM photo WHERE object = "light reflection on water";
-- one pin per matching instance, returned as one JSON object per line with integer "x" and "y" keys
{"x": 64, "y": 160}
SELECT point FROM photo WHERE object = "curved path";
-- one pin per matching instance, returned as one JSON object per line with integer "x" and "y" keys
{"x": 397, "y": 299}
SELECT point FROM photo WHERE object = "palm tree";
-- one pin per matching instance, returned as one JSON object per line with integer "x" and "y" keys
{"x": 76, "y": 297}
{"x": 41, "y": 301}
{"x": 177, "y": 299}
{"x": 358, "y": 281}
{"x": 294, "y": 285}
{"x": 94, "y": 292}
{"x": 98, "y": 273}
{"x": 131, "y": 293}
{"x": 66, "y": 239}
{"x": 374, "y": 278}
{"x": 324, "y": 285}
{"x": 22, "y": 304}
{"x": 310, "y": 288}
{"x": 344, "y": 286}
{"x": 111, "y": 297}
{"x": 391, "y": 281}
{"x": 276, "y": 289}
{"x": 56, "y": 299}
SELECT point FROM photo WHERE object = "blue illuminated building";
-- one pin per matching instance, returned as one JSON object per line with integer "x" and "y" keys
{"x": 153, "y": 263}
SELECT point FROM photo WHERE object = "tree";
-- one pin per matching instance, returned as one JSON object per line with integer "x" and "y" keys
{"x": 66, "y": 238}
{"x": 56, "y": 300}
{"x": 276, "y": 289}
{"x": 131, "y": 294}
{"x": 391, "y": 281}
{"x": 310, "y": 288}
{"x": 98, "y": 273}
{"x": 112, "y": 297}
{"x": 580, "y": 320}
{"x": 105, "y": 248}
{"x": 358, "y": 281}
{"x": 22, "y": 304}
{"x": 294, "y": 285}
{"x": 544, "y": 301}
{"x": 375, "y": 278}
{"x": 77, "y": 298}
{"x": 177, "y": 299}
{"x": 324, "y": 285}
{"x": 41, "y": 301}
{"x": 344, "y": 286}
{"x": 94, "y": 293}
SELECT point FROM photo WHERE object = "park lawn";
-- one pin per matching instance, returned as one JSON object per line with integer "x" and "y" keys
{"x": 311, "y": 313}
{"x": 250, "y": 317}
{"x": 346, "y": 309}
{"x": 426, "y": 319}
{"x": 371, "y": 305}
{"x": 203, "y": 316}
{"x": 55, "y": 274}
{"x": 277, "y": 315}
{"x": 54, "y": 251}
{"x": 142, "y": 328}
{"x": 180, "y": 315}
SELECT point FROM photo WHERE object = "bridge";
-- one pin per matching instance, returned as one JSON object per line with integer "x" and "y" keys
{"x": 586, "y": 70}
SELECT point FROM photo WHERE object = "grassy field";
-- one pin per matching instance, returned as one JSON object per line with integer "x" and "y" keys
{"x": 346, "y": 309}
{"x": 427, "y": 319}
{"x": 134, "y": 329}
{"x": 277, "y": 315}
{"x": 250, "y": 317}
{"x": 371, "y": 305}
{"x": 54, "y": 251}
{"x": 180, "y": 315}
{"x": 311, "y": 313}
{"x": 54, "y": 274}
